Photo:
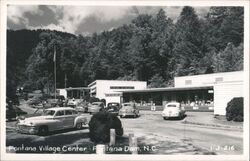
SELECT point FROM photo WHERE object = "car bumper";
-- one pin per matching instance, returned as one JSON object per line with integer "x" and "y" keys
{"x": 127, "y": 114}
{"x": 93, "y": 110}
{"x": 27, "y": 129}
{"x": 170, "y": 114}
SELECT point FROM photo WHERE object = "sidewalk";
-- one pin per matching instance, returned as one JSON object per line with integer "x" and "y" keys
{"x": 208, "y": 119}
{"x": 203, "y": 119}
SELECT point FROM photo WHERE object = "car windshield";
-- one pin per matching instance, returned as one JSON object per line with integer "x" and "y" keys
{"x": 95, "y": 103}
{"x": 127, "y": 105}
{"x": 48, "y": 113}
{"x": 113, "y": 104}
{"x": 171, "y": 105}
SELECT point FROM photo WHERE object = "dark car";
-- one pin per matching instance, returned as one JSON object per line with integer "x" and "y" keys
{"x": 12, "y": 111}
{"x": 53, "y": 102}
{"x": 113, "y": 108}
{"x": 35, "y": 100}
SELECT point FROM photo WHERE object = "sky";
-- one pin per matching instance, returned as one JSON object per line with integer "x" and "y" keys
{"x": 83, "y": 20}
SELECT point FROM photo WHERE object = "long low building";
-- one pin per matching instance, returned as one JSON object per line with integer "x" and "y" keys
{"x": 209, "y": 92}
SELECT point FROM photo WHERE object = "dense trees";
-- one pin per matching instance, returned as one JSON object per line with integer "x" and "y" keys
{"x": 152, "y": 48}
{"x": 188, "y": 43}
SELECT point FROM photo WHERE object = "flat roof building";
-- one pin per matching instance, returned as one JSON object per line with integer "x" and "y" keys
{"x": 206, "y": 92}
{"x": 110, "y": 89}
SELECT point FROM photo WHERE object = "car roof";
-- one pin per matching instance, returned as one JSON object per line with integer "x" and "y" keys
{"x": 128, "y": 103}
{"x": 60, "y": 108}
{"x": 113, "y": 103}
{"x": 173, "y": 103}
{"x": 97, "y": 102}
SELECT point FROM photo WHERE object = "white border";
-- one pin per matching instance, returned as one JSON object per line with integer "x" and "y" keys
{"x": 3, "y": 24}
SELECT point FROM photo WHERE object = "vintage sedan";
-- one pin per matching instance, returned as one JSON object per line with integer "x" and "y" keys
{"x": 96, "y": 107}
{"x": 82, "y": 107}
{"x": 129, "y": 109}
{"x": 53, "y": 119}
{"x": 113, "y": 108}
{"x": 173, "y": 109}
{"x": 53, "y": 102}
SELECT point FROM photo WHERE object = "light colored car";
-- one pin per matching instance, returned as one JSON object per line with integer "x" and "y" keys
{"x": 129, "y": 109}
{"x": 95, "y": 107}
{"x": 82, "y": 107}
{"x": 53, "y": 119}
{"x": 73, "y": 102}
{"x": 173, "y": 109}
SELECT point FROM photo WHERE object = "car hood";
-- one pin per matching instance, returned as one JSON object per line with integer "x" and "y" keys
{"x": 127, "y": 108}
{"x": 38, "y": 118}
{"x": 94, "y": 106}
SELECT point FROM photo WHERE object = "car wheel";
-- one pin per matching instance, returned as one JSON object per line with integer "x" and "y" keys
{"x": 43, "y": 131}
{"x": 164, "y": 118}
{"x": 79, "y": 126}
{"x": 121, "y": 116}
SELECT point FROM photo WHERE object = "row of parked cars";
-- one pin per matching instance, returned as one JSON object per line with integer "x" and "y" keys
{"x": 59, "y": 118}
{"x": 126, "y": 109}
{"x": 172, "y": 109}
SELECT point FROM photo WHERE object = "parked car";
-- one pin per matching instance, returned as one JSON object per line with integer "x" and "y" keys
{"x": 73, "y": 102}
{"x": 173, "y": 109}
{"x": 82, "y": 107}
{"x": 53, "y": 102}
{"x": 34, "y": 100}
{"x": 129, "y": 109}
{"x": 12, "y": 111}
{"x": 113, "y": 108}
{"x": 53, "y": 119}
{"x": 96, "y": 107}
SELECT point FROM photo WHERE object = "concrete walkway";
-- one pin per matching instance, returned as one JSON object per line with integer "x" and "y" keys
{"x": 203, "y": 119}
{"x": 208, "y": 119}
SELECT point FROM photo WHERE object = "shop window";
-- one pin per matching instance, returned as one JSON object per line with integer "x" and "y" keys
{"x": 122, "y": 87}
{"x": 188, "y": 82}
{"x": 219, "y": 79}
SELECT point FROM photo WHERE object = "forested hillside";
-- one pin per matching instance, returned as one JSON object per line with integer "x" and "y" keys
{"x": 152, "y": 48}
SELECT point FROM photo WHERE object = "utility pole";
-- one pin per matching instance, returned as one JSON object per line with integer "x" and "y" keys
{"x": 54, "y": 59}
{"x": 65, "y": 81}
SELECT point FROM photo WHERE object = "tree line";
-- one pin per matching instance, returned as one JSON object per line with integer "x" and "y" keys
{"x": 151, "y": 48}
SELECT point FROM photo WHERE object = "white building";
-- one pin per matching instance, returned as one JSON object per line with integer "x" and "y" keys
{"x": 198, "y": 92}
{"x": 108, "y": 89}
{"x": 226, "y": 86}
{"x": 74, "y": 92}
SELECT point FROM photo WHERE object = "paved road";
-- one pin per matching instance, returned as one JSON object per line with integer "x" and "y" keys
{"x": 166, "y": 136}
{"x": 217, "y": 140}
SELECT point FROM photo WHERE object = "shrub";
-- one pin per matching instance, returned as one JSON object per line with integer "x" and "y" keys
{"x": 234, "y": 110}
{"x": 100, "y": 125}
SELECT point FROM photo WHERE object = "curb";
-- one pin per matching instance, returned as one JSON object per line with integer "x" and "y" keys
{"x": 212, "y": 125}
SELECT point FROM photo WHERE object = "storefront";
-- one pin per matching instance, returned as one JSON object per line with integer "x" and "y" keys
{"x": 192, "y": 98}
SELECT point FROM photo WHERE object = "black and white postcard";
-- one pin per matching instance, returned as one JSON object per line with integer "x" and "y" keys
{"x": 124, "y": 80}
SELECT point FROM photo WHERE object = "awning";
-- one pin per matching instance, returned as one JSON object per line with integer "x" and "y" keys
{"x": 167, "y": 89}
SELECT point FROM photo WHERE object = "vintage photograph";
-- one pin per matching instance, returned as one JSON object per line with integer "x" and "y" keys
{"x": 127, "y": 80}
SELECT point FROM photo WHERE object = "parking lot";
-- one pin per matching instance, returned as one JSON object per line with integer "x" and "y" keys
{"x": 155, "y": 136}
